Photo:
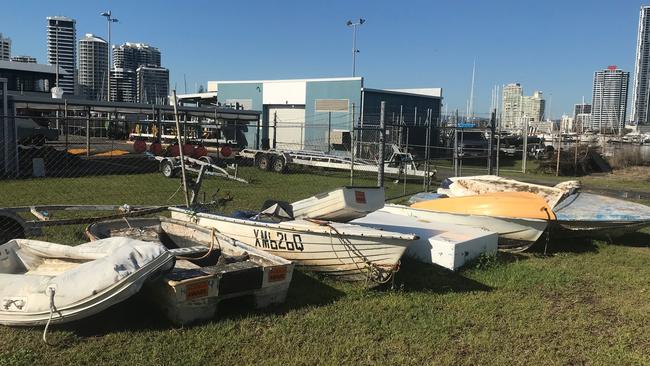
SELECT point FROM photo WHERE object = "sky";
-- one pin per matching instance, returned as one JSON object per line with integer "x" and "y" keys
{"x": 553, "y": 46}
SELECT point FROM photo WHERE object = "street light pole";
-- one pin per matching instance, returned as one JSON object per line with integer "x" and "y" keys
{"x": 354, "y": 42}
{"x": 109, "y": 19}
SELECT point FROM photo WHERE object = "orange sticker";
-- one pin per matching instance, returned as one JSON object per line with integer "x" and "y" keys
{"x": 196, "y": 290}
{"x": 277, "y": 274}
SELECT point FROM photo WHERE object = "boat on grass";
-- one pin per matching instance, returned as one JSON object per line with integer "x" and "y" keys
{"x": 43, "y": 283}
{"x": 591, "y": 214}
{"x": 345, "y": 251}
{"x": 482, "y": 184}
{"x": 210, "y": 267}
{"x": 445, "y": 244}
{"x": 519, "y": 218}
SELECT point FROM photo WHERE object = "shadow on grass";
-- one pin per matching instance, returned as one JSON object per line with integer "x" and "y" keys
{"x": 417, "y": 276}
{"x": 140, "y": 313}
{"x": 637, "y": 239}
{"x": 563, "y": 241}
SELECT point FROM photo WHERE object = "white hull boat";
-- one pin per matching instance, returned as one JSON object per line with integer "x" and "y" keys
{"x": 40, "y": 281}
{"x": 340, "y": 205}
{"x": 445, "y": 244}
{"x": 349, "y": 252}
{"x": 515, "y": 234}
{"x": 481, "y": 184}
{"x": 210, "y": 267}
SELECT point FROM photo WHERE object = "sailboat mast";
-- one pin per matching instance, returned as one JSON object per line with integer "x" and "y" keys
{"x": 471, "y": 93}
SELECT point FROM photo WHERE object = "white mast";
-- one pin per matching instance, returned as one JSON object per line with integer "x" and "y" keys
{"x": 471, "y": 93}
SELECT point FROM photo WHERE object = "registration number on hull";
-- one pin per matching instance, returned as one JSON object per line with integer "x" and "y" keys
{"x": 278, "y": 240}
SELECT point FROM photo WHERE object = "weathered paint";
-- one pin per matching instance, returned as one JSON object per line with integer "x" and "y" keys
{"x": 596, "y": 208}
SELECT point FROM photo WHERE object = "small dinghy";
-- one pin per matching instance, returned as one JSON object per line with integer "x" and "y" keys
{"x": 592, "y": 214}
{"x": 340, "y": 205}
{"x": 43, "y": 282}
{"x": 481, "y": 184}
{"x": 210, "y": 267}
{"x": 348, "y": 252}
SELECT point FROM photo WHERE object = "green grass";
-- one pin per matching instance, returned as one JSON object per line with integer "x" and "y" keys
{"x": 584, "y": 303}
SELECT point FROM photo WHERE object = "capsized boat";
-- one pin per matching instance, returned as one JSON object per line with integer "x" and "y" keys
{"x": 592, "y": 214}
{"x": 41, "y": 280}
{"x": 519, "y": 218}
{"x": 348, "y": 252}
{"x": 210, "y": 267}
{"x": 445, "y": 244}
{"x": 481, "y": 184}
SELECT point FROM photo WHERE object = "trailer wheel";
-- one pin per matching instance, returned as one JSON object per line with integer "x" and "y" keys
{"x": 264, "y": 162}
{"x": 167, "y": 169}
{"x": 207, "y": 159}
{"x": 279, "y": 165}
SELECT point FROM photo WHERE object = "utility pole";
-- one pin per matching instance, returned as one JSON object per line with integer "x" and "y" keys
{"x": 109, "y": 19}
{"x": 382, "y": 147}
{"x": 354, "y": 26}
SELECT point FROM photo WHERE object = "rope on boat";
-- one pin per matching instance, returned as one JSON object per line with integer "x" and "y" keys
{"x": 213, "y": 235}
{"x": 51, "y": 291}
{"x": 548, "y": 229}
{"x": 378, "y": 273}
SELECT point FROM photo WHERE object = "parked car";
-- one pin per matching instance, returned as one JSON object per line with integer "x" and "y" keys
{"x": 31, "y": 133}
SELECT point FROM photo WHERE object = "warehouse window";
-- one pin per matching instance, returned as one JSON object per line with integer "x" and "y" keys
{"x": 332, "y": 105}
{"x": 243, "y": 103}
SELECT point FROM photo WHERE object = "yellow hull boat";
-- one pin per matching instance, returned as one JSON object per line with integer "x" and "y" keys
{"x": 503, "y": 204}
{"x": 519, "y": 218}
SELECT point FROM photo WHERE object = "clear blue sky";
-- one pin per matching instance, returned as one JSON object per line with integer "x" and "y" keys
{"x": 553, "y": 46}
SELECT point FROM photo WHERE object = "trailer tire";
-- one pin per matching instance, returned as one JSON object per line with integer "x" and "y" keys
{"x": 279, "y": 165}
{"x": 264, "y": 162}
{"x": 167, "y": 169}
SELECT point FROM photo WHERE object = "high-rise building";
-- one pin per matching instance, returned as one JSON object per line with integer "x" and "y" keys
{"x": 533, "y": 107}
{"x": 133, "y": 55}
{"x": 153, "y": 84}
{"x": 5, "y": 48}
{"x": 511, "y": 105}
{"x": 137, "y": 75}
{"x": 123, "y": 85}
{"x": 516, "y": 108}
{"x": 581, "y": 108}
{"x": 93, "y": 66}
{"x": 61, "y": 49}
{"x": 24, "y": 58}
{"x": 609, "y": 101}
{"x": 641, "y": 92}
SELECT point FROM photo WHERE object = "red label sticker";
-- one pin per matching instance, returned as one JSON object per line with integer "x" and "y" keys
{"x": 360, "y": 196}
{"x": 277, "y": 274}
{"x": 197, "y": 290}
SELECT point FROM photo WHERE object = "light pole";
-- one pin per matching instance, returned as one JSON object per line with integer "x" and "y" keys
{"x": 354, "y": 42}
{"x": 109, "y": 19}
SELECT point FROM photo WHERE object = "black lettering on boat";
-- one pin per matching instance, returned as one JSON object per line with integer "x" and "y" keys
{"x": 257, "y": 237}
{"x": 280, "y": 240}
{"x": 298, "y": 242}
{"x": 265, "y": 239}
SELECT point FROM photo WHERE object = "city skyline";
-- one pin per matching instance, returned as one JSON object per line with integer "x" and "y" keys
{"x": 560, "y": 62}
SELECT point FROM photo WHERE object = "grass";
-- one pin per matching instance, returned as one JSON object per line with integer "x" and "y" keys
{"x": 584, "y": 303}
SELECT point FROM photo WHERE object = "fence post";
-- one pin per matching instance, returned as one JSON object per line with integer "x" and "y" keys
{"x": 329, "y": 131}
{"x": 490, "y": 141}
{"x": 87, "y": 131}
{"x": 406, "y": 168}
{"x": 525, "y": 152}
{"x": 275, "y": 128}
{"x": 65, "y": 122}
{"x": 426, "y": 150}
{"x": 382, "y": 147}
{"x": 352, "y": 147}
